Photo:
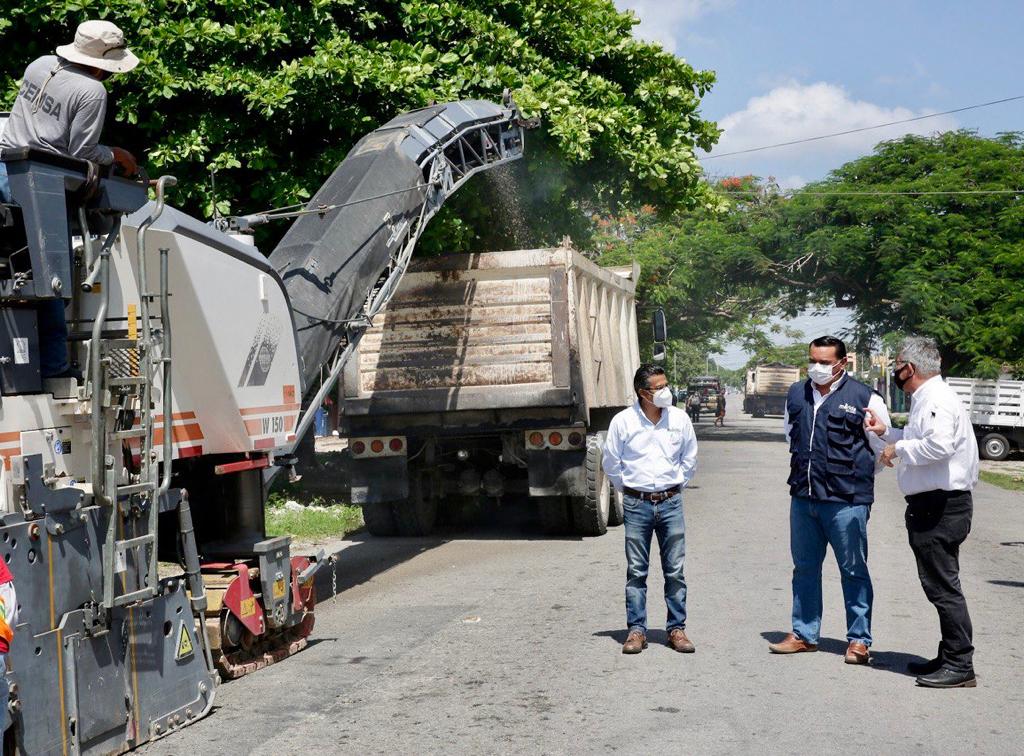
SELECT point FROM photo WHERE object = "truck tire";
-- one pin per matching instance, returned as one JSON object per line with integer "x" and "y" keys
{"x": 379, "y": 519}
{"x": 995, "y": 446}
{"x": 590, "y": 512}
{"x": 616, "y": 512}
{"x": 415, "y": 517}
{"x": 554, "y": 514}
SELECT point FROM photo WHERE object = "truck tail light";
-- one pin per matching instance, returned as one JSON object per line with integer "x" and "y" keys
{"x": 555, "y": 438}
{"x": 376, "y": 446}
{"x": 537, "y": 439}
{"x": 575, "y": 438}
{"x": 395, "y": 444}
{"x": 358, "y": 447}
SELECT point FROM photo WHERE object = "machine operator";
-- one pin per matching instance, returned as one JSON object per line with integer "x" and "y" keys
{"x": 60, "y": 108}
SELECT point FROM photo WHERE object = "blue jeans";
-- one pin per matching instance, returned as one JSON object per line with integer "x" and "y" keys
{"x": 642, "y": 520}
{"x": 5, "y": 184}
{"x": 320, "y": 422}
{"x": 814, "y": 525}
{"x": 5, "y": 689}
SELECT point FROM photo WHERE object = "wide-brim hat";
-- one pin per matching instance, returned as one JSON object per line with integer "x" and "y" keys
{"x": 99, "y": 44}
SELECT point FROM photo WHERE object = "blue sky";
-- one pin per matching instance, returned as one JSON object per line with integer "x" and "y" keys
{"x": 788, "y": 70}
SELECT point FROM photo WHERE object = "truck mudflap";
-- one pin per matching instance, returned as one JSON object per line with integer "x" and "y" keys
{"x": 557, "y": 473}
{"x": 375, "y": 480}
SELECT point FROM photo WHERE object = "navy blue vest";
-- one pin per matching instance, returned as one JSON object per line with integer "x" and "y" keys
{"x": 831, "y": 458}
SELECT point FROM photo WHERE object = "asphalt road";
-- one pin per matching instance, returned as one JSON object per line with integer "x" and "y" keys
{"x": 498, "y": 640}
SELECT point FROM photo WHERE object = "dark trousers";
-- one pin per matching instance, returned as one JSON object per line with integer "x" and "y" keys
{"x": 937, "y": 523}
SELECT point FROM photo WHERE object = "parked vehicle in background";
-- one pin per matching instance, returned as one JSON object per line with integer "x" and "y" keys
{"x": 997, "y": 413}
{"x": 489, "y": 374}
{"x": 766, "y": 388}
{"x": 707, "y": 387}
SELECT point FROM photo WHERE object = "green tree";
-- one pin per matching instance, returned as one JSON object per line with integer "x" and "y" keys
{"x": 272, "y": 95}
{"x": 945, "y": 265}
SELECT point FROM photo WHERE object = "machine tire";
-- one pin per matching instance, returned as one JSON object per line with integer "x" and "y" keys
{"x": 555, "y": 518}
{"x": 416, "y": 516}
{"x": 590, "y": 513}
{"x": 616, "y": 510}
{"x": 994, "y": 446}
{"x": 379, "y": 519}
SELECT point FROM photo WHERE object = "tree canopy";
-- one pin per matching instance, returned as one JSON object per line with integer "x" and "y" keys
{"x": 890, "y": 235}
{"x": 272, "y": 95}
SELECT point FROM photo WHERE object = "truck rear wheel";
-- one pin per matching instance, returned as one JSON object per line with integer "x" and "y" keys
{"x": 416, "y": 516}
{"x": 995, "y": 446}
{"x": 590, "y": 512}
{"x": 379, "y": 519}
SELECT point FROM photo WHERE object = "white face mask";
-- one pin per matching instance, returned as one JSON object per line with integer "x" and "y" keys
{"x": 820, "y": 374}
{"x": 662, "y": 398}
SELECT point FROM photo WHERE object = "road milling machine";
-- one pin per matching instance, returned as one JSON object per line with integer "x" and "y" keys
{"x": 197, "y": 363}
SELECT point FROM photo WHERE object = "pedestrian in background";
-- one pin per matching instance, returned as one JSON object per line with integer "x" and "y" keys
{"x": 833, "y": 460}
{"x": 650, "y": 455}
{"x": 936, "y": 460}
{"x": 720, "y": 409}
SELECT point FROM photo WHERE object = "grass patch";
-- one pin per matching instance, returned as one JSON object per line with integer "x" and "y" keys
{"x": 319, "y": 518}
{"x": 1003, "y": 480}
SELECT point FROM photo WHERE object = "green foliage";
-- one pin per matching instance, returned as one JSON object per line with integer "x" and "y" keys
{"x": 944, "y": 265}
{"x": 272, "y": 96}
{"x": 1003, "y": 480}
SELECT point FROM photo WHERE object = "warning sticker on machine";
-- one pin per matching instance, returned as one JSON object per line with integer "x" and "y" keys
{"x": 20, "y": 351}
{"x": 279, "y": 588}
{"x": 184, "y": 643}
{"x": 248, "y": 606}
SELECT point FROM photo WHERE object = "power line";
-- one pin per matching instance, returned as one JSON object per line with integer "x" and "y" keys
{"x": 862, "y": 128}
{"x": 883, "y": 193}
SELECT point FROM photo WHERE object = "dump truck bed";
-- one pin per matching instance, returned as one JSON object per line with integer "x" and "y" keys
{"x": 524, "y": 329}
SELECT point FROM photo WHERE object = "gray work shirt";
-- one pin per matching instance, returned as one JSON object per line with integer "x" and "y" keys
{"x": 69, "y": 110}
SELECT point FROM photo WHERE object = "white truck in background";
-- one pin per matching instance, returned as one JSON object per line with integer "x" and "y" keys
{"x": 766, "y": 388}
{"x": 997, "y": 413}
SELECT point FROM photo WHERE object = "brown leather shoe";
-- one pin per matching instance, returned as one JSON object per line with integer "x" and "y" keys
{"x": 635, "y": 642}
{"x": 678, "y": 641}
{"x": 857, "y": 653}
{"x": 791, "y": 645}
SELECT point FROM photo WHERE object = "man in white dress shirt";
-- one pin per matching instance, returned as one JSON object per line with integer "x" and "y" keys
{"x": 650, "y": 455}
{"x": 936, "y": 460}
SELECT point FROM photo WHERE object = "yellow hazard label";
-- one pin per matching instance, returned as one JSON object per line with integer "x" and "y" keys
{"x": 133, "y": 327}
{"x": 279, "y": 588}
{"x": 248, "y": 606}
{"x": 184, "y": 643}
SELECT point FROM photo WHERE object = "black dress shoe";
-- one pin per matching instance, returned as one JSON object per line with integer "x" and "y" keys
{"x": 948, "y": 678}
{"x": 925, "y": 668}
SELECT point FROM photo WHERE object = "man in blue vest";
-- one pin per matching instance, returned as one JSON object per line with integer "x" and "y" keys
{"x": 832, "y": 484}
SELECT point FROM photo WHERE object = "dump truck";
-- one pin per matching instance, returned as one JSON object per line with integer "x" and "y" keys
{"x": 766, "y": 388}
{"x": 490, "y": 374}
{"x": 997, "y": 414}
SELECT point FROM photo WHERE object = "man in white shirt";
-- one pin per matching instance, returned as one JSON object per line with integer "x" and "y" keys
{"x": 650, "y": 455}
{"x": 833, "y": 461}
{"x": 936, "y": 460}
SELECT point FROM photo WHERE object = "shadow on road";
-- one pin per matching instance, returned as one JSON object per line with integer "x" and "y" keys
{"x": 738, "y": 433}
{"x": 654, "y": 637}
{"x": 887, "y": 661}
{"x": 1008, "y": 583}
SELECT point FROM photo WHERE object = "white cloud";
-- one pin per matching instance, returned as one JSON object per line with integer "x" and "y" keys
{"x": 662, "y": 20}
{"x": 791, "y": 182}
{"x": 798, "y": 111}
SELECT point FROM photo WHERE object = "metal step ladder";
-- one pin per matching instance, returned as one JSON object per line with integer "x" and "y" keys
{"x": 122, "y": 376}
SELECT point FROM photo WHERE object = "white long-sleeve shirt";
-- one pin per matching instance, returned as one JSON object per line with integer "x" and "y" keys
{"x": 937, "y": 450}
{"x": 876, "y": 404}
{"x": 646, "y": 456}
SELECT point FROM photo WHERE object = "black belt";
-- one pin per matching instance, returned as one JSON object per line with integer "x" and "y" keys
{"x": 651, "y": 496}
